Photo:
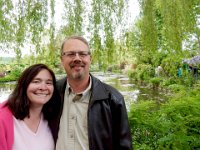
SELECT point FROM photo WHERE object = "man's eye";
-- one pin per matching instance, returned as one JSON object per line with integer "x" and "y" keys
{"x": 71, "y": 54}
{"x": 83, "y": 54}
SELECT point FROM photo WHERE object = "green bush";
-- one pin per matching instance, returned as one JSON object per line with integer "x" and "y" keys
{"x": 176, "y": 87}
{"x": 132, "y": 74}
{"x": 144, "y": 72}
{"x": 155, "y": 82}
{"x": 12, "y": 76}
{"x": 169, "y": 81}
{"x": 171, "y": 125}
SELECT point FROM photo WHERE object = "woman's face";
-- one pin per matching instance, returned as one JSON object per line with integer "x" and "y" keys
{"x": 40, "y": 89}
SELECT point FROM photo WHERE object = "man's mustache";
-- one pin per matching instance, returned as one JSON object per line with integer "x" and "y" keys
{"x": 77, "y": 64}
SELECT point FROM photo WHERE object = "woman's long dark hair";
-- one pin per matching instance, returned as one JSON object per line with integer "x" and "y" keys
{"x": 18, "y": 101}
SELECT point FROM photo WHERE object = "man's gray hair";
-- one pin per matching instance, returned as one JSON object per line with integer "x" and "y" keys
{"x": 76, "y": 37}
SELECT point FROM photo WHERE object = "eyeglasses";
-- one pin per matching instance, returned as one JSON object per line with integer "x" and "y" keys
{"x": 72, "y": 54}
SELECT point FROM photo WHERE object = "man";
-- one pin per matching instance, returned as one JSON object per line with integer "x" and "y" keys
{"x": 93, "y": 114}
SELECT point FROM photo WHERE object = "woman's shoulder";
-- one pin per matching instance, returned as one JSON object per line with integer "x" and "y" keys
{"x": 5, "y": 113}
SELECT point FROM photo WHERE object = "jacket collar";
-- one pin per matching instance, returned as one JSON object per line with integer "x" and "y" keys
{"x": 98, "y": 90}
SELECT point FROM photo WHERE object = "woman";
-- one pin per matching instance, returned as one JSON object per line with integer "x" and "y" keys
{"x": 24, "y": 117}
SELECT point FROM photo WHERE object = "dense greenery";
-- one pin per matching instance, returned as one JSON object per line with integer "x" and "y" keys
{"x": 12, "y": 72}
{"x": 163, "y": 30}
{"x": 171, "y": 125}
{"x": 165, "y": 33}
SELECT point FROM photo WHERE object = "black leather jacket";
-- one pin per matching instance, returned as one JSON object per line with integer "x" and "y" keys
{"x": 108, "y": 127}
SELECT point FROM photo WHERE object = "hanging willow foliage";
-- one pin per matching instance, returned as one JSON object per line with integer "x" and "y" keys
{"x": 52, "y": 47}
{"x": 37, "y": 20}
{"x": 106, "y": 16}
{"x": 22, "y": 20}
{"x": 73, "y": 13}
{"x": 27, "y": 21}
{"x": 165, "y": 24}
{"x": 148, "y": 28}
{"x": 6, "y": 27}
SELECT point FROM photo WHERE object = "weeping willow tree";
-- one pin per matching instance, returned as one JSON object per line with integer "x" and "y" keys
{"x": 30, "y": 23}
{"x": 36, "y": 21}
{"x": 22, "y": 22}
{"x": 165, "y": 25}
{"x": 108, "y": 31}
{"x": 179, "y": 20}
{"x": 148, "y": 30}
{"x": 73, "y": 17}
{"x": 52, "y": 47}
{"x": 6, "y": 25}
{"x": 95, "y": 25}
{"x": 105, "y": 18}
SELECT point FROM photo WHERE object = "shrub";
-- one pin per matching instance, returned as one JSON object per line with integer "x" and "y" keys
{"x": 171, "y": 125}
{"x": 12, "y": 76}
{"x": 144, "y": 72}
{"x": 155, "y": 82}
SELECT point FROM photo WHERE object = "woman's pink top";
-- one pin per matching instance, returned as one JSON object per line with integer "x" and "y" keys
{"x": 6, "y": 128}
{"x": 22, "y": 137}
{"x": 26, "y": 139}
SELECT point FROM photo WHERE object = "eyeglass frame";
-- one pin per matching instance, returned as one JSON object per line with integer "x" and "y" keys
{"x": 72, "y": 54}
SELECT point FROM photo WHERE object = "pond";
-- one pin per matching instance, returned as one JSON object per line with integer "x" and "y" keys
{"x": 131, "y": 92}
{"x": 5, "y": 90}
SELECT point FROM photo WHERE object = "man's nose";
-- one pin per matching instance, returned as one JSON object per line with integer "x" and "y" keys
{"x": 77, "y": 56}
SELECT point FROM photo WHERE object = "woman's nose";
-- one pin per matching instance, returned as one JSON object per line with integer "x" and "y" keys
{"x": 43, "y": 86}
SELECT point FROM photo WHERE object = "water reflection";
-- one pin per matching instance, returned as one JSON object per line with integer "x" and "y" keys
{"x": 129, "y": 90}
{"x": 5, "y": 90}
{"x": 123, "y": 84}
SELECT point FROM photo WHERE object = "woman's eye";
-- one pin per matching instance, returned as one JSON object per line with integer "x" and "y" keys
{"x": 35, "y": 81}
{"x": 50, "y": 83}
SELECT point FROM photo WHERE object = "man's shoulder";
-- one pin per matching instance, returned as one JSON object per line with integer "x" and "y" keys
{"x": 60, "y": 83}
{"x": 61, "y": 80}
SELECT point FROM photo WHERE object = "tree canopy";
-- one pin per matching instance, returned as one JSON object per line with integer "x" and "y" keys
{"x": 162, "y": 28}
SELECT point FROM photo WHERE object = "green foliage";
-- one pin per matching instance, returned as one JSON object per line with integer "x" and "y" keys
{"x": 170, "y": 65}
{"x": 132, "y": 74}
{"x": 155, "y": 82}
{"x": 169, "y": 81}
{"x": 176, "y": 87}
{"x": 144, "y": 72}
{"x": 74, "y": 18}
{"x": 12, "y": 76}
{"x": 172, "y": 125}
{"x": 5, "y": 22}
{"x": 106, "y": 15}
{"x": 148, "y": 27}
{"x": 167, "y": 23}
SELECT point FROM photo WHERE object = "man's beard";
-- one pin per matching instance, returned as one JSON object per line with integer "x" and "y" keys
{"x": 77, "y": 76}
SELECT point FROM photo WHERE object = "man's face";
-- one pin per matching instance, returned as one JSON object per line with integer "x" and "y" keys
{"x": 76, "y": 59}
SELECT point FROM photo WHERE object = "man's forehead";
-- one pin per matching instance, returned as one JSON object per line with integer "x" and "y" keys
{"x": 74, "y": 43}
